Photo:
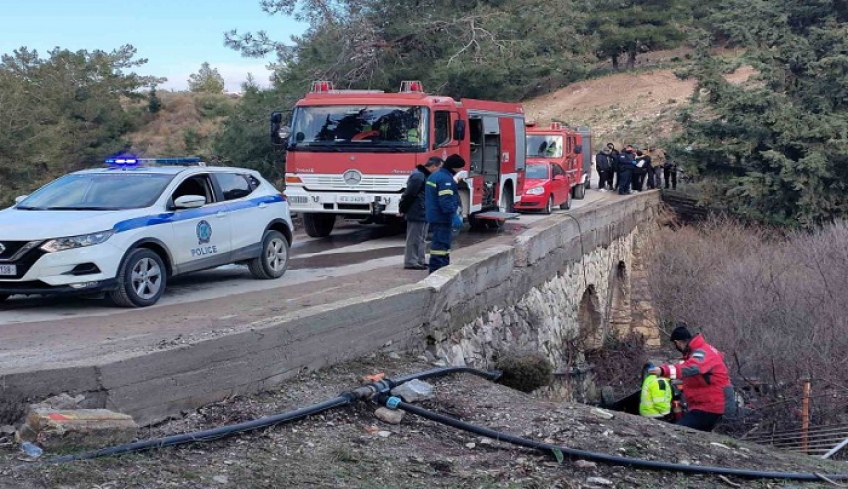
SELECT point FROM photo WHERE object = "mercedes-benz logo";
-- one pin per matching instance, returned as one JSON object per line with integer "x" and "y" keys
{"x": 352, "y": 177}
{"x": 2, "y": 248}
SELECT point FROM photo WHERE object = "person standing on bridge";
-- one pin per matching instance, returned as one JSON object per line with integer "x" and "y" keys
{"x": 626, "y": 165}
{"x": 441, "y": 202}
{"x": 706, "y": 380}
{"x": 604, "y": 165}
{"x": 411, "y": 207}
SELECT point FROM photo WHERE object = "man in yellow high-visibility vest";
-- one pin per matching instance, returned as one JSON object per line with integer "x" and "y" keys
{"x": 655, "y": 401}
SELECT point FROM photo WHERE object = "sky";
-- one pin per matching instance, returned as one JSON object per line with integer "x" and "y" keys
{"x": 176, "y": 36}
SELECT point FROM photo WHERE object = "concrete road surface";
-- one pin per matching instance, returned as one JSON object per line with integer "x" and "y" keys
{"x": 355, "y": 260}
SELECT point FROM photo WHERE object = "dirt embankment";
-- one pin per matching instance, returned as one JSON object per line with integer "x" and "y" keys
{"x": 638, "y": 107}
{"x": 350, "y": 448}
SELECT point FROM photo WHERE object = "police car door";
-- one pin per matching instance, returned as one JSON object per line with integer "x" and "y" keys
{"x": 201, "y": 235}
{"x": 248, "y": 217}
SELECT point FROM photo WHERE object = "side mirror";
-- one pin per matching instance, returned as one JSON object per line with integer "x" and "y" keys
{"x": 20, "y": 198}
{"x": 279, "y": 133}
{"x": 458, "y": 130}
{"x": 189, "y": 201}
{"x": 578, "y": 149}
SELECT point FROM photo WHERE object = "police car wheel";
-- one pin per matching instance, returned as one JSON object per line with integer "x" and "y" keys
{"x": 141, "y": 280}
{"x": 274, "y": 260}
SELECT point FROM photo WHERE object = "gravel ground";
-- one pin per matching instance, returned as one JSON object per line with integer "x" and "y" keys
{"x": 351, "y": 448}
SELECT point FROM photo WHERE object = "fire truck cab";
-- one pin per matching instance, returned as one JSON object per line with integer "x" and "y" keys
{"x": 561, "y": 146}
{"x": 349, "y": 153}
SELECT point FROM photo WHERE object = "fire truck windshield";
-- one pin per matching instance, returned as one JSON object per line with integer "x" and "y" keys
{"x": 369, "y": 128}
{"x": 544, "y": 146}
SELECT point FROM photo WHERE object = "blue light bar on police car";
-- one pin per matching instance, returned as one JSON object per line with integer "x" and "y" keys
{"x": 130, "y": 161}
{"x": 122, "y": 161}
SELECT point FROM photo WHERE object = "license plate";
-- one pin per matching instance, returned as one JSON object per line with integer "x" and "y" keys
{"x": 8, "y": 270}
{"x": 352, "y": 199}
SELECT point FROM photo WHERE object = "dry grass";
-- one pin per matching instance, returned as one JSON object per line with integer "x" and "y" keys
{"x": 186, "y": 124}
{"x": 772, "y": 302}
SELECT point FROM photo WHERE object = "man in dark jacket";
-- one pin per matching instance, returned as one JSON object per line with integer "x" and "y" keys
{"x": 603, "y": 163}
{"x": 706, "y": 381}
{"x": 615, "y": 155}
{"x": 626, "y": 165}
{"x": 411, "y": 207}
{"x": 441, "y": 202}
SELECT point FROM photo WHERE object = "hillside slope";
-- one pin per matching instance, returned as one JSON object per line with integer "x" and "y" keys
{"x": 624, "y": 107}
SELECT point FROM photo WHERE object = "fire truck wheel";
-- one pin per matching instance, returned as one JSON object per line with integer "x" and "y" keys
{"x": 549, "y": 207}
{"x": 567, "y": 204}
{"x": 579, "y": 191}
{"x": 274, "y": 260}
{"x": 318, "y": 225}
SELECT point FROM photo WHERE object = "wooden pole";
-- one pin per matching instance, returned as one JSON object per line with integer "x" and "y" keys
{"x": 805, "y": 417}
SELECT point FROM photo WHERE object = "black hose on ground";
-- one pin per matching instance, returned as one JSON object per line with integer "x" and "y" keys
{"x": 207, "y": 435}
{"x": 344, "y": 399}
{"x": 550, "y": 449}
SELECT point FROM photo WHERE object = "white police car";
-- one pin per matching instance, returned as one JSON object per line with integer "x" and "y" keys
{"x": 128, "y": 228}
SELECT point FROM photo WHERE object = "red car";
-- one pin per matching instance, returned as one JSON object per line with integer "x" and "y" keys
{"x": 545, "y": 185}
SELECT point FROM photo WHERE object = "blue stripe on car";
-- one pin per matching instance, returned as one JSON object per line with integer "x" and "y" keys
{"x": 169, "y": 217}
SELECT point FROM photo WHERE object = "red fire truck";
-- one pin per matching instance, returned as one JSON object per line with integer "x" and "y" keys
{"x": 559, "y": 151}
{"x": 350, "y": 152}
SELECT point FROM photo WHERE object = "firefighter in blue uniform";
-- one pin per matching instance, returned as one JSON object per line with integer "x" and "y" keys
{"x": 441, "y": 202}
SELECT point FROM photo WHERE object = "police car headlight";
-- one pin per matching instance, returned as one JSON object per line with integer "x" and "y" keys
{"x": 71, "y": 242}
{"x": 536, "y": 191}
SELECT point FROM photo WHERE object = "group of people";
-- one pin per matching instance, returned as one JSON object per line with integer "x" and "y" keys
{"x": 701, "y": 379}
{"x": 430, "y": 203}
{"x": 629, "y": 170}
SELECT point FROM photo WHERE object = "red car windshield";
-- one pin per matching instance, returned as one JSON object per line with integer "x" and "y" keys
{"x": 537, "y": 172}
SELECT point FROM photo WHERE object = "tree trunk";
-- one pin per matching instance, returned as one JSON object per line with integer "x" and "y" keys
{"x": 615, "y": 62}
{"x": 631, "y": 60}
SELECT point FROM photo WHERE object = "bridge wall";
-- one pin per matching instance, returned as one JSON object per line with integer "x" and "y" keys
{"x": 550, "y": 290}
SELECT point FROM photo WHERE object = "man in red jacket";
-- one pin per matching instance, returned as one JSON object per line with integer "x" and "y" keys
{"x": 706, "y": 384}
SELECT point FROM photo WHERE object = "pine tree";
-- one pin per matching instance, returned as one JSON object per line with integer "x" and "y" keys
{"x": 776, "y": 145}
{"x": 154, "y": 103}
{"x": 206, "y": 80}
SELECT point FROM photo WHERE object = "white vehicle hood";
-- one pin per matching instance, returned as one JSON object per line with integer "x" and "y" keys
{"x": 25, "y": 225}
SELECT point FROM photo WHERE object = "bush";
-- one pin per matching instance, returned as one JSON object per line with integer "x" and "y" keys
{"x": 525, "y": 372}
{"x": 773, "y": 302}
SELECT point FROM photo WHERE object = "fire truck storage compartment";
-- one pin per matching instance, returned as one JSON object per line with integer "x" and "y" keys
{"x": 485, "y": 155}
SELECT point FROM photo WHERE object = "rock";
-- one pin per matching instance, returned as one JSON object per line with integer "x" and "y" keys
{"x": 720, "y": 445}
{"x": 394, "y": 356}
{"x": 221, "y": 479}
{"x": 78, "y": 428}
{"x": 599, "y": 481}
{"x": 61, "y": 402}
{"x": 487, "y": 441}
{"x": 391, "y": 416}
{"x": 601, "y": 413}
{"x": 586, "y": 464}
{"x": 470, "y": 445}
{"x": 413, "y": 391}
{"x": 7, "y": 430}
{"x": 384, "y": 434}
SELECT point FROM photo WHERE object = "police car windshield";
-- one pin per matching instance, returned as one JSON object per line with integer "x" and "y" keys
{"x": 544, "y": 146}
{"x": 98, "y": 192}
{"x": 359, "y": 128}
{"x": 537, "y": 171}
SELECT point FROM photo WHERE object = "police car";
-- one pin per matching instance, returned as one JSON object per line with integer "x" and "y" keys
{"x": 126, "y": 229}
